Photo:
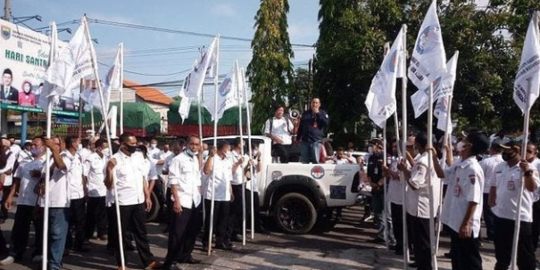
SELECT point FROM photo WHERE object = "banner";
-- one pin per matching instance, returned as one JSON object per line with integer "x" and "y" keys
{"x": 228, "y": 94}
{"x": 381, "y": 98}
{"x": 428, "y": 60}
{"x": 528, "y": 76}
{"x": 24, "y": 58}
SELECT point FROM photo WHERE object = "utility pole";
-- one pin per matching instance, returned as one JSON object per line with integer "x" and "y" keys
{"x": 7, "y": 10}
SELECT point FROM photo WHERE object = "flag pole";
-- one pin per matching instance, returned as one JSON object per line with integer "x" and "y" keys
{"x": 520, "y": 197}
{"x": 121, "y": 88}
{"x": 430, "y": 181}
{"x": 404, "y": 148}
{"x": 385, "y": 188}
{"x": 250, "y": 150}
{"x": 215, "y": 145}
{"x": 48, "y": 157}
{"x": 96, "y": 76}
{"x": 241, "y": 132}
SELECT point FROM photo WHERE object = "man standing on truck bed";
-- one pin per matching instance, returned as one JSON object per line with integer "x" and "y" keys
{"x": 279, "y": 129}
{"x": 310, "y": 132}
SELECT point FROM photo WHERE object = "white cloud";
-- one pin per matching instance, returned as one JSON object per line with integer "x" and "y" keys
{"x": 303, "y": 32}
{"x": 223, "y": 10}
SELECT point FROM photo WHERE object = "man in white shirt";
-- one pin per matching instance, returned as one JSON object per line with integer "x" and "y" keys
{"x": 234, "y": 226}
{"x": 462, "y": 207}
{"x": 419, "y": 204}
{"x": 185, "y": 183}
{"x": 124, "y": 170}
{"x": 488, "y": 166}
{"x": 532, "y": 158}
{"x": 28, "y": 176}
{"x": 11, "y": 154}
{"x": 505, "y": 186}
{"x": 219, "y": 168}
{"x": 280, "y": 130}
{"x": 153, "y": 150}
{"x": 94, "y": 171}
{"x": 395, "y": 197}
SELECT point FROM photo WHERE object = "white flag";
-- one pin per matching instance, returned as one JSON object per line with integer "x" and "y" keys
{"x": 112, "y": 81}
{"x": 228, "y": 95}
{"x": 428, "y": 59}
{"x": 442, "y": 87}
{"x": 381, "y": 99}
{"x": 441, "y": 112}
{"x": 44, "y": 99}
{"x": 528, "y": 76}
{"x": 185, "y": 103}
{"x": 197, "y": 76}
{"x": 73, "y": 63}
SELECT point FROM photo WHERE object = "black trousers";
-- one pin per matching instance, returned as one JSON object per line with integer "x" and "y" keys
{"x": 4, "y": 251}
{"x": 465, "y": 252}
{"x": 21, "y": 229}
{"x": 221, "y": 215}
{"x": 133, "y": 219}
{"x": 77, "y": 220}
{"x": 5, "y": 194}
{"x": 489, "y": 218}
{"x": 234, "y": 222}
{"x": 421, "y": 242}
{"x": 397, "y": 220}
{"x": 96, "y": 216}
{"x": 182, "y": 234}
{"x": 504, "y": 236}
{"x": 282, "y": 151}
{"x": 536, "y": 225}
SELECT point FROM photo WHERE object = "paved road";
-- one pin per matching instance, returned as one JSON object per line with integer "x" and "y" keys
{"x": 345, "y": 247}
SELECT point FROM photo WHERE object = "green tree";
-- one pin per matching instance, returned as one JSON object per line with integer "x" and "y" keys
{"x": 270, "y": 71}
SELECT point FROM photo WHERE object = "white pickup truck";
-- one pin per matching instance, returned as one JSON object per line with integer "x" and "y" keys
{"x": 302, "y": 197}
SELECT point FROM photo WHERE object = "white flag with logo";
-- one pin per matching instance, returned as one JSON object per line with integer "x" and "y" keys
{"x": 112, "y": 81}
{"x": 527, "y": 81}
{"x": 228, "y": 95}
{"x": 441, "y": 112}
{"x": 185, "y": 103}
{"x": 428, "y": 59}
{"x": 381, "y": 98}
{"x": 442, "y": 87}
{"x": 197, "y": 76}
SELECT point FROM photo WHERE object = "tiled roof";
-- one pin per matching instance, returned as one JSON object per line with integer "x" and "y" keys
{"x": 149, "y": 94}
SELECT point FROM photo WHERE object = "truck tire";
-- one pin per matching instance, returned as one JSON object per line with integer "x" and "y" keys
{"x": 153, "y": 214}
{"x": 295, "y": 214}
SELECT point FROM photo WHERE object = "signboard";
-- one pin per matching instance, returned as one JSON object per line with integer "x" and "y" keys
{"x": 24, "y": 58}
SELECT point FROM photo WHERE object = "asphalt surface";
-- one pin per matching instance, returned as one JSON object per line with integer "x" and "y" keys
{"x": 345, "y": 247}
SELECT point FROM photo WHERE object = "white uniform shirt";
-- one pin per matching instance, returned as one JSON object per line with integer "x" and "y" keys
{"x": 508, "y": 182}
{"x": 221, "y": 180}
{"x": 279, "y": 129}
{"x": 536, "y": 163}
{"x": 24, "y": 158}
{"x": 418, "y": 202}
{"x": 75, "y": 176}
{"x": 466, "y": 181}
{"x": 149, "y": 170}
{"x": 395, "y": 186}
{"x": 254, "y": 178}
{"x": 488, "y": 165}
{"x": 94, "y": 170}
{"x": 8, "y": 179}
{"x": 128, "y": 176}
{"x": 84, "y": 153}
{"x": 27, "y": 196}
{"x": 186, "y": 175}
{"x": 59, "y": 185}
{"x": 238, "y": 176}
{"x": 153, "y": 153}
{"x": 163, "y": 156}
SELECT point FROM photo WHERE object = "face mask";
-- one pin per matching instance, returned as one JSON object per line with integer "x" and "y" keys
{"x": 79, "y": 147}
{"x": 153, "y": 146}
{"x": 254, "y": 152}
{"x": 106, "y": 151}
{"x": 205, "y": 153}
{"x": 35, "y": 152}
{"x": 191, "y": 153}
{"x": 132, "y": 149}
{"x": 229, "y": 155}
{"x": 370, "y": 150}
{"x": 507, "y": 156}
{"x": 460, "y": 146}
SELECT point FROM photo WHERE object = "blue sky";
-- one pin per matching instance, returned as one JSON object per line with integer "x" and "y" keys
{"x": 158, "y": 53}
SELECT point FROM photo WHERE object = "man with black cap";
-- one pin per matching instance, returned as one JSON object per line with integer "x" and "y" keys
{"x": 462, "y": 207}
{"x": 8, "y": 94}
{"x": 488, "y": 166}
{"x": 377, "y": 182}
{"x": 505, "y": 191}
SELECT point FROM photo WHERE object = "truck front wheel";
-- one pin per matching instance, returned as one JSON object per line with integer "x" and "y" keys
{"x": 295, "y": 214}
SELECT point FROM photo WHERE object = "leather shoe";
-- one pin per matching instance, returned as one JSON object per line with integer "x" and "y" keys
{"x": 170, "y": 266}
{"x": 191, "y": 260}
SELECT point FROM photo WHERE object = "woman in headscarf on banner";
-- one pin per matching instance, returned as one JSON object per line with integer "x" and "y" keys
{"x": 27, "y": 98}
